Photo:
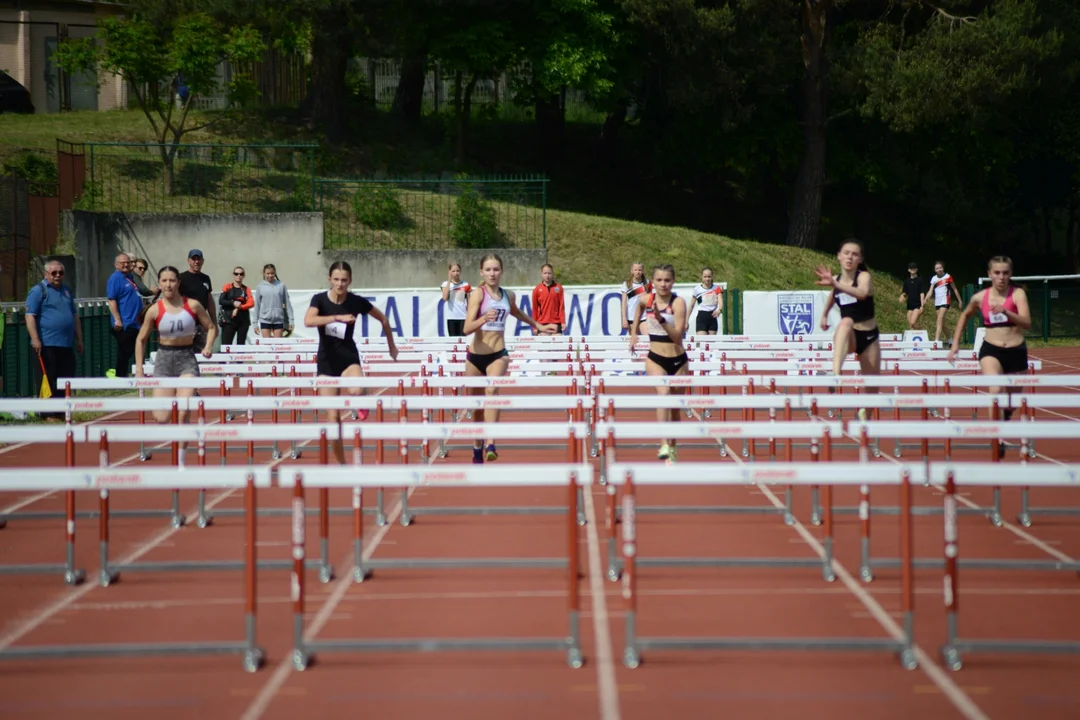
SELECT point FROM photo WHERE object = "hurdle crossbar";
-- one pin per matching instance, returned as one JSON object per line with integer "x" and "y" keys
{"x": 108, "y": 479}
{"x": 572, "y": 477}
{"x": 630, "y": 476}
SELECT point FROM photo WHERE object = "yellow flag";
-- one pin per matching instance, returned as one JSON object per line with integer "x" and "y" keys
{"x": 46, "y": 391}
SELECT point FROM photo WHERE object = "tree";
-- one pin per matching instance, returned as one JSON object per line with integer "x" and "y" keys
{"x": 157, "y": 63}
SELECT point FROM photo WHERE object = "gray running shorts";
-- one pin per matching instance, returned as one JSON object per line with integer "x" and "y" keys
{"x": 175, "y": 362}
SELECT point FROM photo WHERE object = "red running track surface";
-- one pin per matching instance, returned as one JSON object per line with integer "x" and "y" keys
{"x": 402, "y": 603}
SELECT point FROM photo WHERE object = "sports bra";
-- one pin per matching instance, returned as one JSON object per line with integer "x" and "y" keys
{"x": 176, "y": 325}
{"x": 852, "y": 307}
{"x": 993, "y": 319}
{"x": 501, "y": 307}
{"x": 657, "y": 333}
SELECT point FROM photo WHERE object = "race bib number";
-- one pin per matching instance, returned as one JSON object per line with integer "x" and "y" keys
{"x": 998, "y": 318}
{"x": 337, "y": 330}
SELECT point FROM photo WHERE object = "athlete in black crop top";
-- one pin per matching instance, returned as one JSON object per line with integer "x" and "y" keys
{"x": 853, "y": 292}
{"x": 334, "y": 313}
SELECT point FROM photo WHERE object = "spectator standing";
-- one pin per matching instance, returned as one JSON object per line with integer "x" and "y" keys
{"x": 138, "y": 269}
{"x": 196, "y": 285}
{"x": 125, "y": 304}
{"x": 273, "y": 312}
{"x": 548, "y": 308}
{"x": 941, "y": 285}
{"x": 235, "y": 305}
{"x": 915, "y": 287}
{"x": 455, "y": 295}
{"x": 54, "y": 328}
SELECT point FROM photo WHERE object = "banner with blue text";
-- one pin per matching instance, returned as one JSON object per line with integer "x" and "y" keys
{"x": 590, "y": 310}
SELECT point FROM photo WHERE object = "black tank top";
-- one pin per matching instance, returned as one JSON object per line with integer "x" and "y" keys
{"x": 851, "y": 307}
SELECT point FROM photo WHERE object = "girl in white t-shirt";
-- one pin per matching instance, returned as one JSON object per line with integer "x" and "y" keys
{"x": 633, "y": 289}
{"x": 941, "y": 284}
{"x": 709, "y": 297}
{"x": 455, "y": 293}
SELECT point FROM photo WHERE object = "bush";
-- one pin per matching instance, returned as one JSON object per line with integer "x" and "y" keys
{"x": 474, "y": 223}
{"x": 37, "y": 169}
{"x": 378, "y": 208}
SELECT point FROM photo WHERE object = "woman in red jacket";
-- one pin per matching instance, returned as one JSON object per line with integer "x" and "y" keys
{"x": 233, "y": 305}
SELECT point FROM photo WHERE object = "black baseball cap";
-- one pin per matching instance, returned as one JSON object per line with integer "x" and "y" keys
{"x": 912, "y": 266}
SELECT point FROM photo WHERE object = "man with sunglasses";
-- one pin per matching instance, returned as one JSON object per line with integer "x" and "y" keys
{"x": 196, "y": 285}
{"x": 54, "y": 328}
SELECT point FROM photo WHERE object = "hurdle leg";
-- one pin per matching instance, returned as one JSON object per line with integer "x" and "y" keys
{"x": 827, "y": 571}
{"x": 253, "y": 654}
{"x": 866, "y": 574}
{"x": 949, "y": 652}
{"x": 106, "y": 575}
{"x": 614, "y": 569}
{"x": 1024, "y": 517}
{"x": 301, "y": 658}
{"x": 631, "y": 652}
{"x": 326, "y": 570}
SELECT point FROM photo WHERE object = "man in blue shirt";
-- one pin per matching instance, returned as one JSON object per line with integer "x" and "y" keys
{"x": 125, "y": 303}
{"x": 54, "y": 328}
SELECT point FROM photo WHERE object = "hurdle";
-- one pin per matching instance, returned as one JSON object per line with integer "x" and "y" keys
{"x": 571, "y": 435}
{"x": 105, "y": 435}
{"x": 573, "y": 477}
{"x": 819, "y": 434}
{"x": 827, "y": 475}
{"x": 54, "y": 435}
{"x": 1014, "y": 474}
{"x": 950, "y": 476}
{"x": 107, "y": 479}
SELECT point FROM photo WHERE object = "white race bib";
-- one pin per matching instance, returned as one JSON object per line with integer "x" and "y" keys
{"x": 336, "y": 330}
{"x": 845, "y": 299}
{"x": 998, "y": 318}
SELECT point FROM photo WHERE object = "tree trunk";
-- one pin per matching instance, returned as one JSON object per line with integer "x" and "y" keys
{"x": 551, "y": 123}
{"x": 330, "y": 50}
{"x": 409, "y": 95}
{"x": 464, "y": 116}
{"x": 804, "y": 217}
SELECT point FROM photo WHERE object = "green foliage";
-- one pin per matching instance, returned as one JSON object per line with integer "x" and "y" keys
{"x": 37, "y": 169}
{"x": 474, "y": 225}
{"x": 930, "y": 70}
{"x": 378, "y": 207}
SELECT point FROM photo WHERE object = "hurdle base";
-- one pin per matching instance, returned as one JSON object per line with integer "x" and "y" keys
{"x": 981, "y": 564}
{"x": 952, "y": 652}
{"x": 723, "y": 562}
{"x": 465, "y": 564}
{"x": 253, "y": 657}
{"x": 72, "y": 576}
{"x": 112, "y": 573}
{"x": 302, "y": 658}
{"x": 632, "y": 657}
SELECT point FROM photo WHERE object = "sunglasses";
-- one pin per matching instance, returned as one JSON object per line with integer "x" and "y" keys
{"x": 236, "y": 274}
{"x": 56, "y": 273}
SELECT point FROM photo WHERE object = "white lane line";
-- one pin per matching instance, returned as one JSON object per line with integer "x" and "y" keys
{"x": 949, "y": 689}
{"x": 608, "y": 689}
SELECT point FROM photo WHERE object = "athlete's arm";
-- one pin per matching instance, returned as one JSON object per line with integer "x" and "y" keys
{"x": 515, "y": 311}
{"x": 312, "y": 318}
{"x": 1022, "y": 317}
{"x": 690, "y": 310}
{"x": 377, "y": 314}
{"x": 636, "y": 324}
{"x": 676, "y": 330}
{"x": 203, "y": 318}
{"x": 862, "y": 289}
{"x": 622, "y": 304}
{"x": 472, "y": 322}
{"x": 148, "y": 323}
{"x": 969, "y": 312}
{"x": 825, "y": 312}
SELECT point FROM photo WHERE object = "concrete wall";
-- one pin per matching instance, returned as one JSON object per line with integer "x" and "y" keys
{"x": 428, "y": 268}
{"x": 291, "y": 241}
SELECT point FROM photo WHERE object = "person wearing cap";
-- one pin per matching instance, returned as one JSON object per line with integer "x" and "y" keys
{"x": 915, "y": 288}
{"x": 196, "y": 285}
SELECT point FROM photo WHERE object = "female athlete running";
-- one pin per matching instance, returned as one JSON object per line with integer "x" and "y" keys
{"x": 665, "y": 315}
{"x": 334, "y": 313}
{"x": 487, "y": 355}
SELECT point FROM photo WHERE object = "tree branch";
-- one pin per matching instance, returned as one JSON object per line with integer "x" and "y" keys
{"x": 948, "y": 17}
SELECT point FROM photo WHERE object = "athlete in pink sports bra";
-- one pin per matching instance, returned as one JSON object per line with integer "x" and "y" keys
{"x": 1005, "y": 315}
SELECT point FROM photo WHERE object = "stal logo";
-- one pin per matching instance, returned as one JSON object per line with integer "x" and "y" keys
{"x": 795, "y": 313}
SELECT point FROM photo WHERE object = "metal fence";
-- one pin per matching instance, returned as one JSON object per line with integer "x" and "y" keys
{"x": 16, "y": 356}
{"x": 431, "y": 214}
{"x": 14, "y": 236}
{"x": 199, "y": 178}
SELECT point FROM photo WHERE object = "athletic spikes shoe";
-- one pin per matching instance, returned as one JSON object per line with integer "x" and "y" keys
{"x": 362, "y": 415}
{"x": 492, "y": 454}
{"x": 673, "y": 454}
{"x": 862, "y": 414}
{"x": 478, "y": 456}
{"x": 664, "y": 453}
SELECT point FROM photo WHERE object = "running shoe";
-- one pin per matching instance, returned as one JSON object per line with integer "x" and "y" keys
{"x": 478, "y": 456}
{"x": 362, "y": 415}
{"x": 862, "y": 414}
{"x": 673, "y": 454}
{"x": 492, "y": 454}
{"x": 664, "y": 453}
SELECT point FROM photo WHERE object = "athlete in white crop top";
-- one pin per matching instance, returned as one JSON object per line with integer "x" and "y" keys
{"x": 174, "y": 319}
{"x": 488, "y": 312}
{"x": 665, "y": 315}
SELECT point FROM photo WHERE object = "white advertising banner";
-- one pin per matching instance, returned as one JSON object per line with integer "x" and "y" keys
{"x": 796, "y": 312}
{"x": 590, "y": 310}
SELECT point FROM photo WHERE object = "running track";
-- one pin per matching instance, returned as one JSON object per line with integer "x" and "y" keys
{"x": 201, "y": 606}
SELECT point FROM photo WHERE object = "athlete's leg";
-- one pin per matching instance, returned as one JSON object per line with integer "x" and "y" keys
{"x": 497, "y": 368}
{"x": 843, "y": 341}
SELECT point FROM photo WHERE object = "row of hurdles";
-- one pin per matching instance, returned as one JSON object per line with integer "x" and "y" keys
{"x": 625, "y": 479}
